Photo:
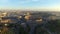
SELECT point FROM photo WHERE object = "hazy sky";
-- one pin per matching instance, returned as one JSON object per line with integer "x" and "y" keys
{"x": 30, "y": 4}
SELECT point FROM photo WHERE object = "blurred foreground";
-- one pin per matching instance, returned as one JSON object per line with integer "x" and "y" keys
{"x": 29, "y": 22}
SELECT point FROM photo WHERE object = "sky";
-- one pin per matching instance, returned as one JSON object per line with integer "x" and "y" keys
{"x": 30, "y": 4}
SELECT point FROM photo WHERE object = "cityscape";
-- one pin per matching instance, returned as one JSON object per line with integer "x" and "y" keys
{"x": 29, "y": 16}
{"x": 29, "y": 22}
